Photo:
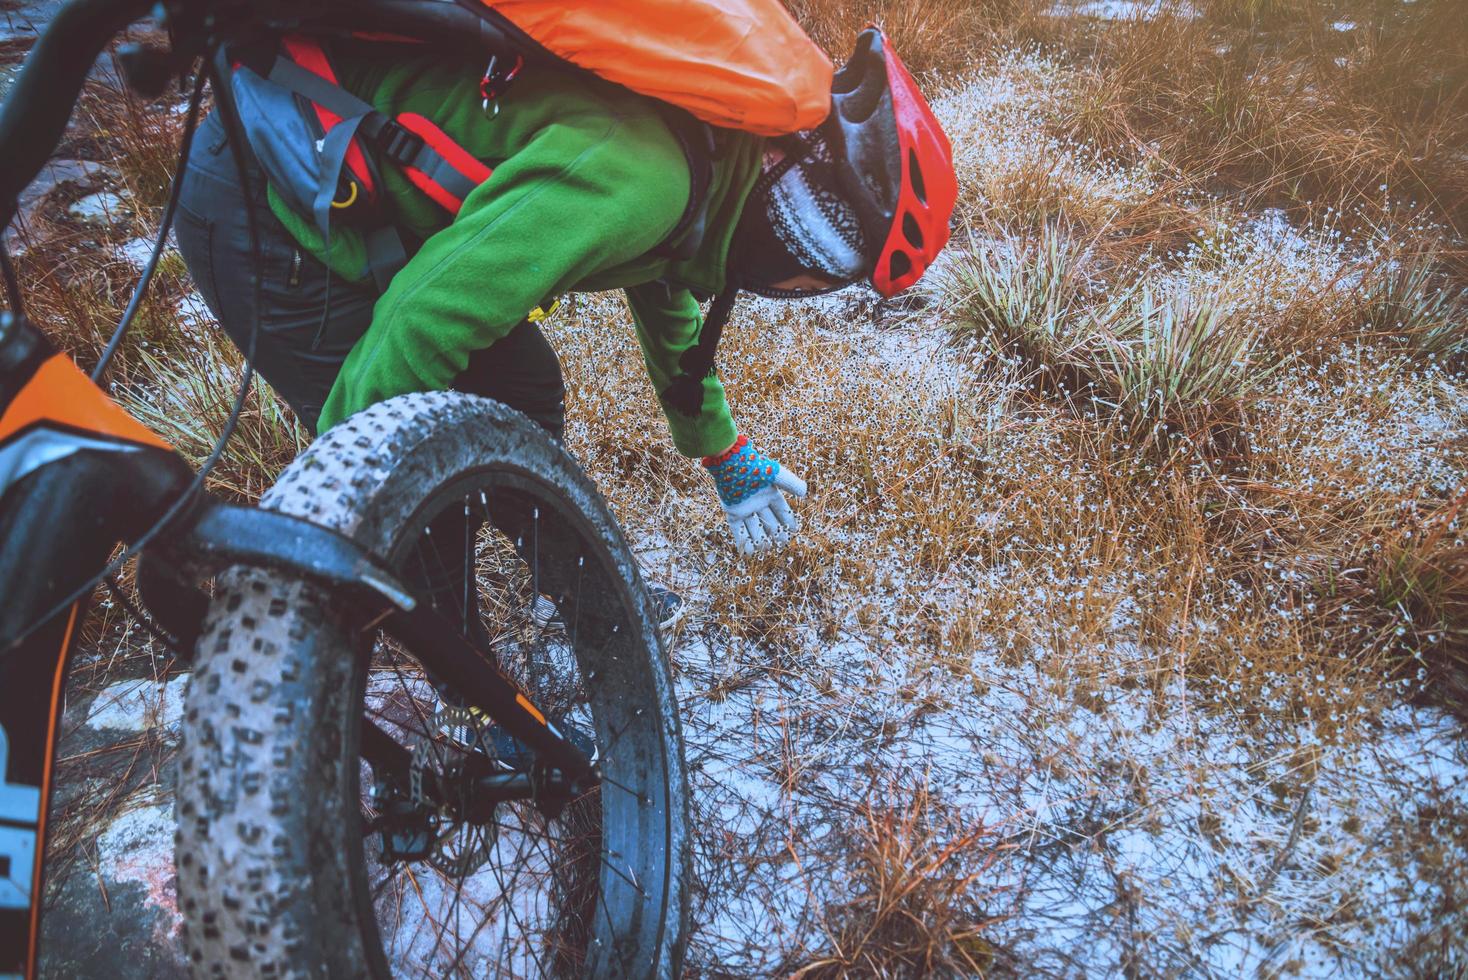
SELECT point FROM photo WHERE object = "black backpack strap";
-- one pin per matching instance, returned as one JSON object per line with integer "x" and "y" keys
{"x": 696, "y": 139}
{"x": 684, "y": 394}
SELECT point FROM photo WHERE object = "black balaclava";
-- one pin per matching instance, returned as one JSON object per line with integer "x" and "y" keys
{"x": 795, "y": 223}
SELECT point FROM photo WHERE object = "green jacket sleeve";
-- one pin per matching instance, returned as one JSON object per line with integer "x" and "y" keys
{"x": 585, "y": 193}
{"x": 668, "y": 323}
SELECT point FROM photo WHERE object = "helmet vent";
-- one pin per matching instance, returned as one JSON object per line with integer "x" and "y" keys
{"x": 915, "y": 175}
{"x": 911, "y": 231}
{"x": 898, "y": 266}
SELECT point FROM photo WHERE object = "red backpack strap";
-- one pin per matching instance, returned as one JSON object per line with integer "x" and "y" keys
{"x": 352, "y": 129}
{"x": 307, "y": 53}
{"x": 442, "y": 169}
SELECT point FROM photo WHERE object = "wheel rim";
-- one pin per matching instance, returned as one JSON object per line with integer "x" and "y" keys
{"x": 519, "y": 893}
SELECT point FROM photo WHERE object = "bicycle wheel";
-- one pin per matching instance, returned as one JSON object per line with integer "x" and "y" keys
{"x": 295, "y": 859}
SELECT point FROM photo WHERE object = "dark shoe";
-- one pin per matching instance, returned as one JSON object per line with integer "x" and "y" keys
{"x": 667, "y": 605}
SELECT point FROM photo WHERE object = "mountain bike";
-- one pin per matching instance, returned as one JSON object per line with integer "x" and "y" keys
{"x": 430, "y": 729}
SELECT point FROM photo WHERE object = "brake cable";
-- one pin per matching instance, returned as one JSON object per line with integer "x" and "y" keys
{"x": 164, "y": 226}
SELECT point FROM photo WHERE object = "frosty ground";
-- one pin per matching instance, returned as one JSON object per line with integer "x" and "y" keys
{"x": 1063, "y": 676}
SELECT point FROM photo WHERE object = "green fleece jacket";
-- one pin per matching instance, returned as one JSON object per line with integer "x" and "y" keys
{"x": 587, "y": 182}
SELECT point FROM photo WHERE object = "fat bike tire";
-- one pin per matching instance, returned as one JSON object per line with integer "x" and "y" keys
{"x": 279, "y": 873}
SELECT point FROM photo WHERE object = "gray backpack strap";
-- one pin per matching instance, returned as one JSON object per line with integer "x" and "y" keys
{"x": 333, "y": 157}
{"x": 329, "y": 96}
{"x": 399, "y": 145}
{"x": 386, "y": 253}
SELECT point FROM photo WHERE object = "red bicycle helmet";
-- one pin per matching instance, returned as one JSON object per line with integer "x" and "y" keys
{"x": 893, "y": 161}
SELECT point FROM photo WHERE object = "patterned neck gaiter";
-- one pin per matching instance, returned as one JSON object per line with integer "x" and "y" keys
{"x": 795, "y": 223}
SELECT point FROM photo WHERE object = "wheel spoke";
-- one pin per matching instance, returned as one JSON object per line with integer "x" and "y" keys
{"x": 545, "y": 875}
{"x": 515, "y": 918}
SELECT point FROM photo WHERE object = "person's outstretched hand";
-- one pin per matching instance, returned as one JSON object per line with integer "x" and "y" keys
{"x": 752, "y": 488}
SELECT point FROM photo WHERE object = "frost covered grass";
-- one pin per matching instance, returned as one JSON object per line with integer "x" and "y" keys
{"x": 190, "y": 389}
{"x": 1157, "y": 703}
{"x": 1166, "y": 361}
{"x": 1133, "y": 584}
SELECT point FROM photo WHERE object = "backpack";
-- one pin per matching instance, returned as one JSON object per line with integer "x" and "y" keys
{"x": 742, "y": 64}
{"x": 738, "y": 64}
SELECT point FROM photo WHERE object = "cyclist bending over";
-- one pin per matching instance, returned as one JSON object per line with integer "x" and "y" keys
{"x": 592, "y": 188}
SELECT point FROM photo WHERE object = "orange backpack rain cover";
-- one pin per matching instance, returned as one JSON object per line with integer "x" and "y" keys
{"x": 740, "y": 64}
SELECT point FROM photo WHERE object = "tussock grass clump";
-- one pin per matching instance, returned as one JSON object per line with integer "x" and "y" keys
{"x": 915, "y": 910}
{"x": 137, "y": 137}
{"x": 1017, "y": 170}
{"x": 191, "y": 388}
{"x": 1176, "y": 361}
{"x": 76, "y": 283}
{"x": 1185, "y": 362}
{"x": 1405, "y": 297}
{"x": 1019, "y": 298}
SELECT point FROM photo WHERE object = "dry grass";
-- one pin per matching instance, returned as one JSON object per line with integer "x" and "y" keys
{"x": 1004, "y": 531}
{"x": 1093, "y": 650}
{"x": 1292, "y": 102}
{"x": 1421, "y": 575}
{"x": 131, "y": 133}
{"x": 934, "y": 37}
{"x": 1171, "y": 364}
{"x": 191, "y": 388}
{"x": 915, "y": 908}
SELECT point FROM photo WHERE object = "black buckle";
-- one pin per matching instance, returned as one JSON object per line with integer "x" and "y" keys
{"x": 398, "y": 144}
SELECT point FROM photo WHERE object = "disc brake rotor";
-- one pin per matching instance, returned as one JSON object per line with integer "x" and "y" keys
{"x": 455, "y": 736}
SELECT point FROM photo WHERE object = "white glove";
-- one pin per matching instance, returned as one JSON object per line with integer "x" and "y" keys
{"x": 752, "y": 488}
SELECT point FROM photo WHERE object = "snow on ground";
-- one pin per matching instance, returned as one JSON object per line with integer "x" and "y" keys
{"x": 1133, "y": 825}
{"x": 1125, "y": 822}
{"x": 1005, "y": 150}
{"x": 1124, "y": 832}
{"x": 138, "y": 705}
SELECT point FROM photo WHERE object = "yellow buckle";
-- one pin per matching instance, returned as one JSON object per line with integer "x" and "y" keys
{"x": 539, "y": 315}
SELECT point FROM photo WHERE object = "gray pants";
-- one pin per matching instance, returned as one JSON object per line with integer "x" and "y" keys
{"x": 303, "y": 339}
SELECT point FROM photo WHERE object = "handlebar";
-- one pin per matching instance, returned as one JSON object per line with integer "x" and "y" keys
{"x": 40, "y": 103}
{"x": 35, "y": 113}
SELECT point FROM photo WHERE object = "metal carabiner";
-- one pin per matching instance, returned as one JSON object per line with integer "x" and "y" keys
{"x": 493, "y": 84}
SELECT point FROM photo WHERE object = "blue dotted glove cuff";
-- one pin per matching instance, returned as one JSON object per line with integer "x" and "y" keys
{"x": 741, "y": 472}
